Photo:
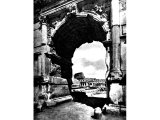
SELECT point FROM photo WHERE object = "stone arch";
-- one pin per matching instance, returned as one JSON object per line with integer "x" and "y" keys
{"x": 74, "y": 31}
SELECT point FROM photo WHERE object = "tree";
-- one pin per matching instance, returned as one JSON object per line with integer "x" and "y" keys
{"x": 79, "y": 75}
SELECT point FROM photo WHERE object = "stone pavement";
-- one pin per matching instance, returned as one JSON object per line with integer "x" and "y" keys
{"x": 72, "y": 111}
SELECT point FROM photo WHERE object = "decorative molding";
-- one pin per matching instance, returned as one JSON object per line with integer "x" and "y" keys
{"x": 122, "y": 5}
{"x": 42, "y": 19}
{"x": 123, "y": 29}
{"x": 42, "y": 49}
{"x": 53, "y": 10}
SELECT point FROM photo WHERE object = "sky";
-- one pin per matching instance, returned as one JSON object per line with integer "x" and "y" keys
{"x": 89, "y": 58}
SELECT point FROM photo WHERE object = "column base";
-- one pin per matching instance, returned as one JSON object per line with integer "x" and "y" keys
{"x": 115, "y": 75}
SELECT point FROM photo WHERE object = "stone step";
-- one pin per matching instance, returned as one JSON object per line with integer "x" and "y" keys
{"x": 52, "y": 102}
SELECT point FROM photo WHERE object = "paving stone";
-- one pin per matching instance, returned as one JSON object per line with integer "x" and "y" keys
{"x": 72, "y": 111}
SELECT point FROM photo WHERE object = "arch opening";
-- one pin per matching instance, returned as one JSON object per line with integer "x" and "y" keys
{"x": 75, "y": 31}
{"x": 89, "y": 69}
{"x": 89, "y": 58}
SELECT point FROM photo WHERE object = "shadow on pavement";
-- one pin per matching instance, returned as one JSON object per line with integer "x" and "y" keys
{"x": 90, "y": 101}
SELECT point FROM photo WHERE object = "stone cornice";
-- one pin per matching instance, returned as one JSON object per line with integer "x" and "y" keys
{"x": 60, "y": 7}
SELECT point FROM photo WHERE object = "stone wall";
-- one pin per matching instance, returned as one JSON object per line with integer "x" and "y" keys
{"x": 37, "y": 34}
{"x": 57, "y": 87}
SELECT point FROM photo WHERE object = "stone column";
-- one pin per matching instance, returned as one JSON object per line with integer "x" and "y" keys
{"x": 115, "y": 37}
{"x": 44, "y": 45}
{"x": 44, "y": 31}
{"x": 39, "y": 65}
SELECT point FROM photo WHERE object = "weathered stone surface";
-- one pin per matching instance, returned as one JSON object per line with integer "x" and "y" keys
{"x": 37, "y": 92}
{"x": 59, "y": 91}
{"x": 58, "y": 80}
{"x": 37, "y": 35}
{"x": 116, "y": 93}
{"x": 123, "y": 56}
{"x": 97, "y": 113}
{"x": 58, "y": 88}
{"x": 114, "y": 109}
{"x": 73, "y": 111}
{"x": 52, "y": 102}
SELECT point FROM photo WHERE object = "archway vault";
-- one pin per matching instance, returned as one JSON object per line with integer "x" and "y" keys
{"x": 72, "y": 24}
{"x": 73, "y": 31}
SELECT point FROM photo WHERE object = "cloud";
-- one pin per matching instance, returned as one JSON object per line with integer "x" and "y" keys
{"x": 90, "y": 59}
{"x": 97, "y": 64}
{"x": 90, "y": 70}
{"x": 94, "y": 44}
{"x": 91, "y": 52}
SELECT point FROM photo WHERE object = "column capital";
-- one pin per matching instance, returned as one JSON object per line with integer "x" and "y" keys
{"x": 115, "y": 74}
{"x": 43, "y": 19}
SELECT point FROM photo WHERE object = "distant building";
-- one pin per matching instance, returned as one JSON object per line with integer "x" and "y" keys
{"x": 76, "y": 83}
{"x": 92, "y": 82}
